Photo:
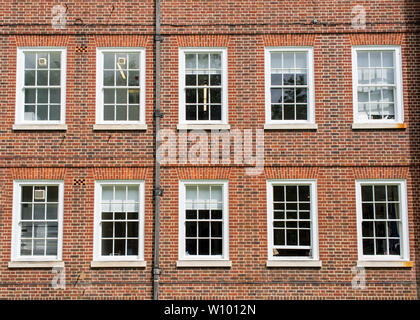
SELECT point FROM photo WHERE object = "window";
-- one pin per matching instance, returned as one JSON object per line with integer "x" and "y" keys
{"x": 120, "y": 86}
{"x": 382, "y": 220}
{"x": 203, "y": 220}
{"x": 41, "y": 86}
{"x": 119, "y": 220}
{"x": 203, "y": 86}
{"x": 37, "y": 220}
{"x": 377, "y": 84}
{"x": 289, "y": 85}
{"x": 292, "y": 219}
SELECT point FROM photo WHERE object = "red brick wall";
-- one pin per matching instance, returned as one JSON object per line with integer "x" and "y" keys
{"x": 334, "y": 154}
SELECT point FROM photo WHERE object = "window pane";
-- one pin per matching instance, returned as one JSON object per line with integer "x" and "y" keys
{"x": 191, "y": 247}
{"x": 30, "y": 60}
{"x": 55, "y": 60}
{"x": 39, "y": 211}
{"x": 29, "y": 77}
{"x": 26, "y": 212}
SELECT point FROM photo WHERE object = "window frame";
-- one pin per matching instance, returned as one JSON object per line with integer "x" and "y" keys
{"x": 181, "y": 84}
{"x": 181, "y": 223}
{"x": 20, "y": 84}
{"x": 16, "y": 236}
{"x": 404, "y": 237}
{"x": 100, "y": 79}
{"x": 399, "y": 105}
{"x": 314, "y": 218}
{"x": 97, "y": 244}
{"x": 311, "y": 84}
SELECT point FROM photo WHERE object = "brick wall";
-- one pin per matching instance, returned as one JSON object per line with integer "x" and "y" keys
{"x": 334, "y": 154}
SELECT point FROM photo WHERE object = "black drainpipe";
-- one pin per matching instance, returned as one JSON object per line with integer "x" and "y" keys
{"x": 157, "y": 191}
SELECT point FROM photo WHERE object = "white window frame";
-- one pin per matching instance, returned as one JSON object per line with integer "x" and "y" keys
{"x": 181, "y": 82}
{"x": 404, "y": 237}
{"x": 16, "y": 235}
{"x": 314, "y": 218}
{"x": 181, "y": 236}
{"x": 20, "y": 84}
{"x": 311, "y": 85}
{"x": 97, "y": 243}
{"x": 399, "y": 106}
{"x": 100, "y": 80}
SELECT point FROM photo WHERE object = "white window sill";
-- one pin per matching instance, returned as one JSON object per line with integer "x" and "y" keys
{"x": 356, "y": 126}
{"x": 204, "y": 263}
{"x": 118, "y": 264}
{"x": 294, "y": 263}
{"x": 36, "y": 264}
{"x": 203, "y": 126}
{"x": 385, "y": 264}
{"x": 61, "y": 127}
{"x": 98, "y": 127}
{"x": 290, "y": 126}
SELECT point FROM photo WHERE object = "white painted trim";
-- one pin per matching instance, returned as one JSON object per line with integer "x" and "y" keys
{"x": 381, "y": 125}
{"x": 203, "y": 127}
{"x": 399, "y": 108}
{"x": 385, "y": 264}
{"x": 20, "y": 76}
{"x": 99, "y": 84}
{"x": 35, "y": 264}
{"x": 97, "y": 257}
{"x": 290, "y": 126}
{"x": 57, "y": 127}
{"x": 405, "y": 253}
{"x": 118, "y": 264}
{"x": 15, "y": 254}
{"x": 311, "y": 86}
{"x": 99, "y": 127}
{"x": 181, "y": 84}
{"x": 204, "y": 264}
{"x": 181, "y": 230}
{"x": 294, "y": 263}
{"x": 314, "y": 218}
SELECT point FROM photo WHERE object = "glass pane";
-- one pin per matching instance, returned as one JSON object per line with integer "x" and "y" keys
{"x": 368, "y": 247}
{"x": 191, "y": 229}
{"x": 51, "y": 247}
{"x": 215, "y": 79}
{"x": 276, "y": 112}
{"x": 380, "y": 212}
{"x": 367, "y": 193}
{"x": 276, "y": 60}
{"x": 216, "y": 246}
{"x": 191, "y": 193}
{"x": 107, "y": 193}
{"x": 109, "y": 96}
{"x": 109, "y": 78}
{"x": 362, "y": 59}
{"x": 39, "y": 211}
{"x": 121, "y": 113}
{"x": 109, "y": 113}
{"x": 27, "y": 193}
{"x": 30, "y": 78}
{"x": 39, "y": 230}
{"x": 190, "y": 247}
{"x": 388, "y": 59}
{"x": 119, "y": 247}
{"x": 134, "y": 60}
{"x": 55, "y": 78}
{"x": 30, "y": 60}
{"x": 120, "y": 229}
{"x": 120, "y": 193}
{"x": 393, "y": 211}
{"x": 54, "y": 112}
{"x": 134, "y": 96}
{"x": 203, "y": 247}
{"x": 388, "y": 75}
{"x": 133, "y": 78}
{"x": 300, "y": 59}
{"x": 289, "y": 79}
{"x": 190, "y": 61}
{"x": 375, "y": 59}
{"x": 367, "y": 229}
{"x": 291, "y": 237}
{"x": 203, "y": 229}
{"x": 216, "y": 193}
{"x": 26, "y": 230}
{"x": 216, "y": 229}
{"x": 132, "y": 247}
{"x": 55, "y": 95}
{"x": 106, "y": 247}
{"x": 55, "y": 62}
{"x": 42, "y": 77}
{"x": 291, "y": 193}
{"x": 52, "y": 230}
{"x": 133, "y": 193}
{"x": 301, "y": 95}
{"x": 39, "y": 247}
{"x": 392, "y": 193}
{"x": 52, "y": 210}
{"x": 278, "y": 193}
{"x": 304, "y": 193}
{"x": 42, "y": 62}
{"x": 367, "y": 209}
{"x": 203, "y": 61}
{"x": 42, "y": 95}
{"x": 108, "y": 61}
{"x": 301, "y": 112}
{"x": 134, "y": 113}
{"x": 26, "y": 212}
{"x": 288, "y": 60}
{"x": 203, "y": 193}
{"x": 215, "y": 61}
{"x": 379, "y": 193}
{"x": 276, "y": 95}
{"x": 107, "y": 229}
{"x": 216, "y": 112}
{"x": 394, "y": 246}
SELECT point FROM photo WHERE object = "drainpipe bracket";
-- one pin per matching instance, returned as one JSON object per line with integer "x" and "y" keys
{"x": 159, "y": 38}
{"x": 158, "y": 192}
{"x": 158, "y": 114}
